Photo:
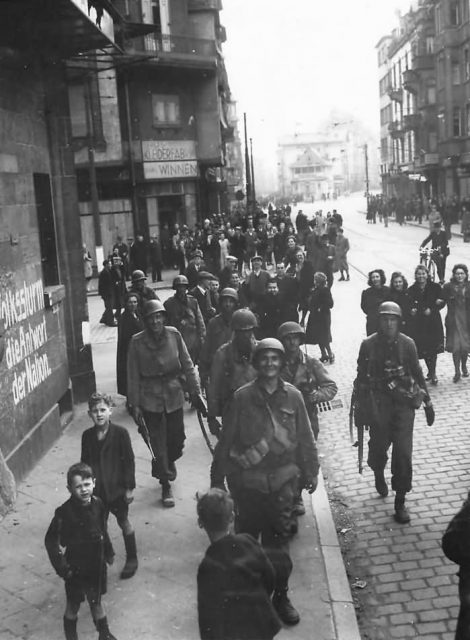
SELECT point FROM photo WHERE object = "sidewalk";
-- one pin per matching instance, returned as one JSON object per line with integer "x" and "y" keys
{"x": 159, "y": 602}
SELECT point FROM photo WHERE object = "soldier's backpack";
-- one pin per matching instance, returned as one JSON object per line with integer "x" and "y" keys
{"x": 456, "y": 539}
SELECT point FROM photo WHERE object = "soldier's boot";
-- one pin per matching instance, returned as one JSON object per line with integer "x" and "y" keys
{"x": 131, "y": 557}
{"x": 286, "y": 611}
{"x": 70, "y": 629}
{"x": 172, "y": 472}
{"x": 401, "y": 512}
{"x": 464, "y": 366}
{"x": 380, "y": 484}
{"x": 103, "y": 630}
{"x": 299, "y": 507}
{"x": 167, "y": 495}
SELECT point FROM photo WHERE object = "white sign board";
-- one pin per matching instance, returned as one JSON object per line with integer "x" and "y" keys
{"x": 168, "y": 150}
{"x": 169, "y": 170}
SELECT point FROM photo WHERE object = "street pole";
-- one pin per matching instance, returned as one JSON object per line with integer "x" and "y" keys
{"x": 133, "y": 181}
{"x": 247, "y": 170}
{"x": 253, "y": 190}
{"x": 366, "y": 159}
{"x": 95, "y": 205}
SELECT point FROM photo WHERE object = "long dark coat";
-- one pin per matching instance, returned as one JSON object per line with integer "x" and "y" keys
{"x": 128, "y": 326}
{"x": 371, "y": 299}
{"x": 319, "y": 321}
{"x": 426, "y": 331}
{"x": 403, "y": 300}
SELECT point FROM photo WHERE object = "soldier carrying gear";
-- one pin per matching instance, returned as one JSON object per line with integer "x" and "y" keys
{"x": 389, "y": 387}
{"x": 139, "y": 287}
{"x": 310, "y": 377}
{"x": 185, "y": 315}
{"x": 265, "y": 445}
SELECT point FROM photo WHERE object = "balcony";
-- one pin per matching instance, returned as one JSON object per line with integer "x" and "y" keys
{"x": 61, "y": 28}
{"x": 423, "y": 62}
{"x": 205, "y": 5}
{"x": 395, "y": 94}
{"x": 411, "y": 121}
{"x": 410, "y": 80}
{"x": 174, "y": 51}
{"x": 395, "y": 129}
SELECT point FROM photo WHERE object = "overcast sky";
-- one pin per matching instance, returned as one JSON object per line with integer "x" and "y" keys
{"x": 291, "y": 61}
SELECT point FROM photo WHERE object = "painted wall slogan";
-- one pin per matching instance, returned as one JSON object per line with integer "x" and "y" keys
{"x": 24, "y": 320}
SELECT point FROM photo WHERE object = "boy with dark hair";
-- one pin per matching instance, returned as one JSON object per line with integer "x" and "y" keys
{"x": 235, "y": 579}
{"x": 107, "y": 448}
{"x": 79, "y": 547}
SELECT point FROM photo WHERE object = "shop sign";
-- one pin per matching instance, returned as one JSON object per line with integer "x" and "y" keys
{"x": 169, "y": 170}
{"x": 168, "y": 150}
{"x": 24, "y": 322}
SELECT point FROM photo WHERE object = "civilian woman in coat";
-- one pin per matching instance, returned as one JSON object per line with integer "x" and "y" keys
{"x": 426, "y": 324}
{"x": 398, "y": 292}
{"x": 372, "y": 298}
{"x": 319, "y": 321}
{"x": 456, "y": 294}
{"x": 303, "y": 272}
{"x": 130, "y": 323}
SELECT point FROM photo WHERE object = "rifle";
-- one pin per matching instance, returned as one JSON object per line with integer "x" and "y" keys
{"x": 354, "y": 421}
{"x": 144, "y": 432}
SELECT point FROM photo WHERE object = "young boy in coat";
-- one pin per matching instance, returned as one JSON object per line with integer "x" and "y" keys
{"x": 235, "y": 579}
{"x": 79, "y": 547}
{"x": 107, "y": 448}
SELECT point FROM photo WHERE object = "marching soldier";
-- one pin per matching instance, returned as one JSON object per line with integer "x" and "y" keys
{"x": 390, "y": 386}
{"x": 139, "y": 287}
{"x": 265, "y": 445}
{"x": 184, "y": 314}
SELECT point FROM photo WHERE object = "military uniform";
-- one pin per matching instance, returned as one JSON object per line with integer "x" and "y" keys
{"x": 219, "y": 331}
{"x": 384, "y": 373}
{"x": 144, "y": 295}
{"x": 186, "y": 316}
{"x": 310, "y": 377}
{"x": 266, "y": 443}
{"x": 156, "y": 369}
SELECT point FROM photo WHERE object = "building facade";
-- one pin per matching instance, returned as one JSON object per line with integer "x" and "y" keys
{"x": 424, "y": 68}
{"x": 162, "y": 123}
{"x": 45, "y": 356}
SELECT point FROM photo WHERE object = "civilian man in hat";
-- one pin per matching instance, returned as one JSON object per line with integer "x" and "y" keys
{"x": 156, "y": 259}
{"x": 202, "y": 294}
{"x": 195, "y": 265}
{"x": 139, "y": 287}
{"x": 226, "y": 273}
{"x": 138, "y": 253}
{"x": 440, "y": 247}
{"x": 265, "y": 446}
{"x": 219, "y": 331}
{"x": 237, "y": 247}
{"x": 184, "y": 314}
{"x": 156, "y": 363}
{"x": 256, "y": 283}
{"x": 389, "y": 387}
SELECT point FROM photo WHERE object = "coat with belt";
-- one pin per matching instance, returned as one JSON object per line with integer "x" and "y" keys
{"x": 112, "y": 463}
{"x": 157, "y": 367}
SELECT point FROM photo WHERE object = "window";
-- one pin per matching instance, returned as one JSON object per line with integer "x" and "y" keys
{"x": 466, "y": 62}
{"x": 46, "y": 227}
{"x": 467, "y": 119}
{"x": 77, "y": 106}
{"x": 166, "y": 110}
{"x": 454, "y": 13}
{"x": 156, "y": 15}
{"x": 456, "y": 122}
{"x": 431, "y": 95}
{"x": 432, "y": 142}
{"x": 429, "y": 44}
{"x": 455, "y": 73}
{"x": 438, "y": 17}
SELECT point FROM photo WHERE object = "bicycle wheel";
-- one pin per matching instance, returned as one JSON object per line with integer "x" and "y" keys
{"x": 432, "y": 270}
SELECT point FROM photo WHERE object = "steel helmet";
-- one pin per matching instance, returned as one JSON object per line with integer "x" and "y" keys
{"x": 267, "y": 344}
{"x": 138, "y": 275}
{"x": 228, "y": 292}
{"x": 244, "y": 319}
{"x": 290, "y": 328}
{"x": 153, "y": 306}
{"x": 180, "y": 280}
{"x": 390, "y": 308}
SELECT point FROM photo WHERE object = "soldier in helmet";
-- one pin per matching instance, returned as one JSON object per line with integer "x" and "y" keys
{"x": 184, "y": 314}
{"x": 265, "y": 446}
{"x": 309, "y": 376}
{"x": 156, "y": 363}
{"x": 139, "y": 287}
{"x": 231, "y": 366}
{"x": 219, "y": 331}
{"x": 390, "y": 386}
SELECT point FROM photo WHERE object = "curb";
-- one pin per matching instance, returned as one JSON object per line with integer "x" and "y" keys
{"x": 344, "y": 613}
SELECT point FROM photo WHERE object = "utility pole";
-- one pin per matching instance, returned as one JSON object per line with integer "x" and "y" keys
{"x": 247, "y": 170}
{"x": 366, "y": 160}
{"x": 95, "y": 205}
{"x": 253, "y": 190}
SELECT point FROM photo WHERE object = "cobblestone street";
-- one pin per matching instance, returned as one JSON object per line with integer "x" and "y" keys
{"x": 411, "y": 588}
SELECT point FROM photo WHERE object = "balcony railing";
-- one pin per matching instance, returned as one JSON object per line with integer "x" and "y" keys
{"x": 395, "y": 129}
{"x": 395, "y": 94}
{"x": 205, "y": 5}
{"x": 410, "y": 80}
{"x": 180, "y": 45}
{"x": 411, "y": 121}
{"x": 422, "y": 62}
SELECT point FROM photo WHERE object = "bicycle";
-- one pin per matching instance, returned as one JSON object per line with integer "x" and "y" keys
{"x": 427, "y": 258}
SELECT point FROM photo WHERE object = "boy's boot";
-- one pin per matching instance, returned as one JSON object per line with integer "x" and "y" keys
{"x": 286, "y": 611}
{"x": 70, "y": 629}
{"x": 103, "y": 630}
{"x": 380, "y": 484}
{"x": 401, "y": 512}
{"x": 131, "y": 557}
{"x": 167, "y": 495}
